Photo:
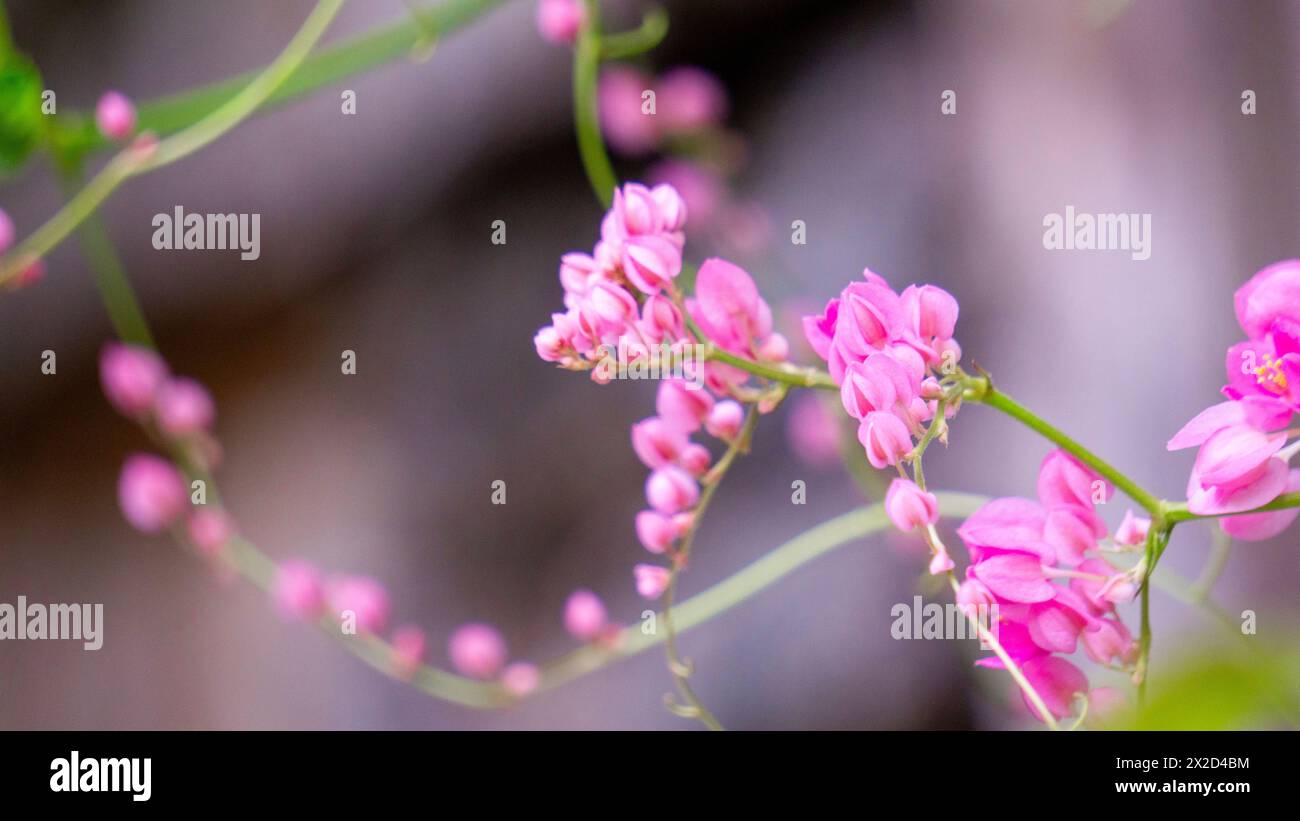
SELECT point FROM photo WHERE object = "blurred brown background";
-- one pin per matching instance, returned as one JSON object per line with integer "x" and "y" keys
{"x": 375, "y": 237}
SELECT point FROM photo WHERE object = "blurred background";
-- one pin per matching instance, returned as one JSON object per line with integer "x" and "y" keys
{"x": 375, "y": 237}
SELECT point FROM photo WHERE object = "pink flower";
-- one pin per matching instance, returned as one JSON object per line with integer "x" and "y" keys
{"x": 1132, "y": 530}
{"x": 151, "y": 492}
{"x": 1236, "y": 469}
{"x": 1272, "y": 294}
{"x": 584, "y": 615}
{"x": 651, "y": 580}
{"x": 689, "y": 99}
{"x": 1110, "y": 642}
{"x": 695, "y": 459}
{"x": 115, "y": 116}
{"x": 1056, "y": 681}
{"x": 660, "y": 319}
{"x": 1256, "y": 527}
{"x": 655, "y": 530}
{"x": 725, "y": 420}
{"x": 364, "y": 597}
{"x": 521, "y": 679}
{"x": 684, "y": 405}
{"x": 183, "y": 406}
{"x": 625, "y": 127}
{"x": 878, "y": 383}
{"x": 209, "y": 528}
{"x": 558, "y": 21}
{"x": 1064, "y": 480}
{"x": 297, "y": 590}
{"x": 909, "y": 507}
{"x": 1015, "y": 577}
{"x": 885, "y": 438}
{"x": 657, "y": 442}
{"x": 6, "y": 231}
{"x": 131, "y": 377}
{"x": 870, "y": 316}
{"x": 1263, "y": 415}
{"x": 972, "y": 595}
{"x": 477, "y": 650}
{"x": 670, "y": 489}
{"x": 728, "y": 308}
{"x": 812, "y": 432}
{"x": 408, "y": 648}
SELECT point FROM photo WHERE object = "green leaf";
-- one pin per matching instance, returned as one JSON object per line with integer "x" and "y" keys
{"x": 21, "y": 122}
{"x": 1222, "y": 690}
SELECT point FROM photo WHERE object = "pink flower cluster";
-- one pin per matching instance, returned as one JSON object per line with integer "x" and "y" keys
{"x": 637, "y": 258}
{"x": 887, "y": 351}
{"x": 1243, "y": 458}
{"x": 1019, "y": 548}
{"x": 639, "y": 252}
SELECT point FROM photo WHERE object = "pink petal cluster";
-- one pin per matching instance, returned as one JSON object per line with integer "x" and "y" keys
{"x": 1242, "y": 461}
{"x": 151, "y": 492}
{"x": 687, "y": 100}
{"x": 639, "y": 254}
{"x": 139, "y": 385}
{"x": 559, "y": 21}
{"x": 1020, "y": 549}
{"x": 886, "y": 350}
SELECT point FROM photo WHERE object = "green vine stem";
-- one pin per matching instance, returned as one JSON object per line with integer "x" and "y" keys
{"x": 651, "y": 32}
{"x": 586, "y": 120}
{"x": 139, "y": 159}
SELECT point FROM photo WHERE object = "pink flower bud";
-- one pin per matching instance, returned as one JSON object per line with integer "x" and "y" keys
{"x": 651, "y": 580}
{"x": 297, "y": 590}
{"x": 694, "y": 459}
{"x": 972, "y": 595}
{"x": 885, "y": 438}
{"x": 909, "y": 507}
{"x": 690, "y": 99}
{"x": 550, "y": 346}
{"x": 670, "y": 489}
{"x": 151, "y": 492}
{"x": 725, "y": 420}
{"x": 940, "y": 562}
{"x": 115, "y": 116}
{"x": 131, "y": 377}
{"x": 776, "y": 348}
{"x": 209, "y": 528}
{"x": 657, "y": 443}
{"x": 521, "y": 679}
{"x": 1132, "y": 530}
{"x": 614, "y": 306}
{"x": 660, "y": 319}
{"x": 477, "y": 650}
{"x": 364, "y": 597}
{"x": 408, "y": 648}
{"x": 655, "y": 530}
{"x": 933, "y": 311}
{"x": 558, "y": 21}
{"x": 584, "y": 615}
{"x": 183, "y": 406}
{"x": 651, "y": 262}
{"x": 683, "y": 405}
{"x": 6, "y": 231}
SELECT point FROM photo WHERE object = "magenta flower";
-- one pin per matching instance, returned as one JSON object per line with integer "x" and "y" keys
{"x": 521, "y": 678}
{"x": 729, "y": 309}
{"x": 477, "y": 650}
{"x": 725, "y": 420}
{"x": 364, "y": 597}
{"x": 115, "y": 116}
{"x": 151, "y": 492}
{"x": 1270, "y": 296}
{"x": 559, "y": 21}
{"x": 209, "y": 529}
{"x": 409, "y": 646}
{"x": 584, "y": 615}
{"x": 1256, "y": 527}
{"x": 183, "y": 406}
{"x": 670, "y": 489}
{"x": 657, "y": 442}
{"x": 1237, "y": 469}
{"x": 885, "y": 438}
{"x": 909, "y": 507}
{"x": 651, "y": 580}
{"x": 655, "y": 530}
{"x": 131, "y": 377}
{"x": 297, "y": 590}
{"x": 683, "y": 405}
{"x": 689, "y": 99}
{"x": 1057, "y": 682}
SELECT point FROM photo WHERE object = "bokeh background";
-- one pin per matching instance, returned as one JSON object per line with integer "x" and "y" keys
{"x": 375, "y": 238}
